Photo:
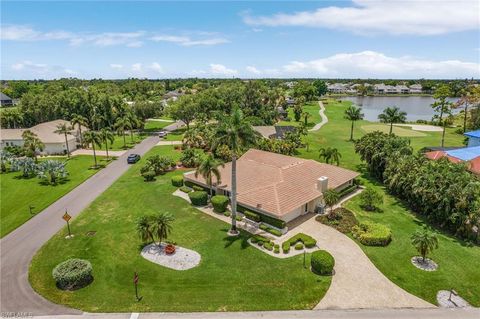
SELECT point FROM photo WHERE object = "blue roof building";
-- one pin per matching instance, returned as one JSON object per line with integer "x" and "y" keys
{"x": 473, "y": 138}
{"x": 466, "y": 153}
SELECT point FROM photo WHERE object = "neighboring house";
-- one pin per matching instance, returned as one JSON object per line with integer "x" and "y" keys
{"x": 473, "y": 138}
{"x": 279, "y": 186}
{"x": 415, "y": 89}
{"x": 468, "y": 155}
{"x": 5, "y": 100}
{"x": 54, "y": 142}
{"x": 274, "y": 132}
{"x": 282, "y": 113}
{"x": 172, "y": 95}
{"x": 337, "y": 88}
{"x": 385, "y": 89}
{"x": 402, "y": 89}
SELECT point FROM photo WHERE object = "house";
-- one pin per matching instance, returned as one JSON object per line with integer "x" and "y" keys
{"x": 54, "y": 142}
{"x": 274, "y": 132}
{"x": 282, "y": 114}
{"x": 279, "y": 186}
{"x": 5, "y": 100}
{"x": 468, "y": 155}
{"x": 172, "y": 95}
{"x": 473, "y": 138}
{"x": 415, "y": 89}
{"x": 402, "y": 89}
{"x": 337, "y": 88}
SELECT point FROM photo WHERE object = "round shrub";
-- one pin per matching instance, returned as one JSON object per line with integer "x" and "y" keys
{"x": 299, "y": 246}
{"x": 148, "y": 176}
{"x": 372, "y": 234}
{"x": 73, "y": 274}
{"x": 198, "y": 198}
{"x": 177, "y": 181}
{"x": 219, "y": 203}
{"x": 322, "y": 262}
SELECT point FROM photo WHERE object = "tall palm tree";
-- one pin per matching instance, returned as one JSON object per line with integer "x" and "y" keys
{"x": 162, "y": 226}
{"x": 94, "y": 138}
{"x": 32, "y": 144}
{"x": 106, "y": 136}
{"x": 353, "y": 114}
{"x": 424, "y": 242}
{"x": 134, "y": 122}
{"x": 392, "y": 115}
{"x": 331, "y": 198}
{"x": 66, "y": 130}
{"x": 330, "y": 155}
{"x": 144, "y": 229}
{"x": 121, "y": 124}
{"x": 80, "y": 121}
{"x": 208, "y": 168}
{"x": 237, "y": 133}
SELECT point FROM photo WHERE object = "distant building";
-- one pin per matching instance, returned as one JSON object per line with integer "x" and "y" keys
{"x": 415, "y": 89}
{"x": 282, "y": 113}
{"x": 473, "y": 138}
{"x": 337, "y": 88}
{"x": 274, "y": 132}
{"x": 172, "y": 95}
{"x": 5, "y": 100}
{"x": 402, "y": 89}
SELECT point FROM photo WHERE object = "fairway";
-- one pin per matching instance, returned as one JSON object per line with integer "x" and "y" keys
{"x": 396, "y": 130}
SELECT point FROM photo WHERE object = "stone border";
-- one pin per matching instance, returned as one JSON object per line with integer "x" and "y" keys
{"x": 181, "y": 259}
{"x": 450, "y": 299}
{"x": 428, "y": 265}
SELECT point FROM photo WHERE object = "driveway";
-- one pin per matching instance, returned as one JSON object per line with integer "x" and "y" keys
{"x": 18, "y": 247}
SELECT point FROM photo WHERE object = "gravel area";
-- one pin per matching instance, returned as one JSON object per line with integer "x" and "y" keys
{"x": 182, "y": 259}
{"x": 446, "y": 299}
{"x": 428, "y": 265}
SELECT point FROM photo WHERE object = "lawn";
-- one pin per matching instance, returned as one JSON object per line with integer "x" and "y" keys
{"x": 311, "y": 108}
{"x": 19, "y": 193}
{"x": 118, "y": 144}
{"x": 176, "y": 135}
{"x": 399, "y": 131}
{"x": 154, "y": 126}
{"x": 232, "y": 275}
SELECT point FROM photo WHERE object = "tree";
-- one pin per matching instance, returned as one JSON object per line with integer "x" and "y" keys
{"x": 370, "y": 198}
{"x": 330, "y": 155}
{"x": 331, "y": 198}
{"x": 237, "y": 133}
{"x": 424, "y": 242}
{"x": 442, "y": 106}
{"x": 32, "y": 144}
{"x": 94, "y": 138}
{"x": 208, "y": 168}
{"x": 184, "y": 109}
{"x": 392, "y": 115}
{"x": 65, "y": 130}
{"x": 134, "y": 122}
{"x": 306, "y": 116}
{"x": 158, "y": 164}
{"x": 298, "y": 108}
{"x": 5, "y": 157}
{"x": 106, "y": 135}
{"x": 321, "y": 87}
{"x": 144, "y": 229}
{"x": 466, "y": 99}
{"x": 51, "y": 171}
{"x": 353, "y": 114}
{"x": 162, "y": 226}
{"x": 122, "y": 124}
{"x": 80, "y": 121}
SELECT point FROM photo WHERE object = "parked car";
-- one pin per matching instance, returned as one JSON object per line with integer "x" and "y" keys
{"x": 133, "y": 158}
{"x": 162, "y": 134}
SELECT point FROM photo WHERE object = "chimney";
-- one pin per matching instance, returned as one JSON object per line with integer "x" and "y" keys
{"x": 322, "y": 183}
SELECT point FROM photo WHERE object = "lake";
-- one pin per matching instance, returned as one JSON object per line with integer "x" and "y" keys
{"x": 417, "y": 107}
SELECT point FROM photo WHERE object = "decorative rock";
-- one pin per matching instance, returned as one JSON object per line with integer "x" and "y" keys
{"x": 428, "y": 265}
{"x": 182, "y": 259}
{"x": 449, "y": 299}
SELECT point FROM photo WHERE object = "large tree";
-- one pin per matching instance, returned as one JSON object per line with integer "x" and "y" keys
{"x": 32, "y": 144}
{"x": 237, "y": 133}
{"x": 106, "y": 135}
{"x": 94, "y": 138}
{"x": 442, "y": 106}
{"x": 65, "y": 129}
{"x": 184, "y": 109}
{"x": 353, "y": 114}
{"x": 80, "y": 121}
{"x": 208, "y": 168}
{"x": 392, "y": 115}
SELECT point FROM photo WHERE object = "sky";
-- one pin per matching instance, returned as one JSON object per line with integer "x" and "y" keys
{"x": 248, "y": 39}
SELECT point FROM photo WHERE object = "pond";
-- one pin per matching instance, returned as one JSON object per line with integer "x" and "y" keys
{"x": 417, "y": 107}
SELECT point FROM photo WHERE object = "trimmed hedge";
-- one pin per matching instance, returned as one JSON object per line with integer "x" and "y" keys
{"x": 263, "y": 218}
{"x": 268, "y": 246}
{"x": 322, "y": 262}
{"x": 227, "y": 213}
{"x": 372, "y": 234}
{"x": 252, "y": 216}
{"x": 306, "y": 240}
{"x": 185, "y": 189}
{"x": 259, "y": 238}
{"x": 298, "y": 246}
{"x": 276, "y": 249}
{"x": 347, "y": 190}
{"x": 177, "y": 181}
{"x": 286, "y": 247}
{"x": 73, "y": 274}
{"x": 148, "y": 176}
{"x": 198, "y": 198}
{"x": 270, "y": 230}
{"x": 219, "y": 203}
{"x": 198, "y": 188}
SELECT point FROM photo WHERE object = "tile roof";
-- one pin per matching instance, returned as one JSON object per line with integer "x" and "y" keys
{"x": 278, "y": 184}
{"x": 45, "y": 132}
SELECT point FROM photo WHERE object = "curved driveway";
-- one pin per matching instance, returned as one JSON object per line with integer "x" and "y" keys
{"x": 18, "y": 247}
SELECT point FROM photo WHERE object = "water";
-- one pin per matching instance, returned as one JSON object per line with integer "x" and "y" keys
{"x": 417, "y": 107}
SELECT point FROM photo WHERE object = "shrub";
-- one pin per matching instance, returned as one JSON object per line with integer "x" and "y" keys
{"x": 276, "y": 249}
{"x": 198, "y": 188}
{"x": 198, "y": 198}
{"x": 148, "y": 175}
{"x": 268, "y": 246}
{"x": 370, "y": 199}
{"x": 306, "y": 240}
{"x": 177, "y": 181}
{"x": 227, "y": 213}
{"x": 219, "y": 203}
{"x": 259, "y": 238}
{"x": 252, "y": 216}
{"x": 347, "y": 190}
{"x": 238, "y": 218}
{"x": 343, "y": 222}
{"x": 299, "y": 246}
{"x": 270, "y": 230}
{"x": 185, "y": 189}
{"x": 160, "y": 164}
{"x": 322, "y": 262}
{"x": 73, "y": 274}
{"x": 286, "y": 247}
{"x": 372, "y": 234}
{"x": 260, "y": 243}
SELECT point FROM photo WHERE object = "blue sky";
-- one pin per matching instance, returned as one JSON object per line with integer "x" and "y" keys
{"x": 159, "y": 39}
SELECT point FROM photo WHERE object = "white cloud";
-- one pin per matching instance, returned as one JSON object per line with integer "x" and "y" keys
{"x": 136, "y": 67}
{"x": 130, "y": 39}
{"x": 26, "y": 33}
{"x": 42, "y": 70}
{"x": 419, "y": 17}
{"x": 252, "y": 69}
{"x": 188, "y": 41}
{"x": 116, "y": 66}
{"x": 155, "y": 66}
{"x": 220, "y": 69}
{"x": 371, "y": 64}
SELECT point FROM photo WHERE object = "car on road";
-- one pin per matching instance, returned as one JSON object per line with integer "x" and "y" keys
{"x": 162, "y": 134}
{"x": 133, "y": 158}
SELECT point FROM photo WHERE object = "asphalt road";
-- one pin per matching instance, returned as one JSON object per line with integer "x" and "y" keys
{"x": 18, "y": 247}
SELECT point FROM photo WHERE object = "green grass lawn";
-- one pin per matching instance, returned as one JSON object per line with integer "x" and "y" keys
{"x": 232, "y": 275}
{"x": 19, "y": 193}
{"x": 399, "y": 131}
{"x": 118, "y": 144}
{"x": 176, "y": 135}
{"x": 311, "y": 108}
{"x": 153, "y": 126}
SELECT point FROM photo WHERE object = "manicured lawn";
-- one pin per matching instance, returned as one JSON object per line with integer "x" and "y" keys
{"x": 153, "y": 126}
{"x": 19, "y": 193}
{"x": 176, "y": 135}
{"x": 311, "y": 108}
{"x": 118, "y": 144}
{"x": 232, "y": 275}
{"x": 399, "y": 131}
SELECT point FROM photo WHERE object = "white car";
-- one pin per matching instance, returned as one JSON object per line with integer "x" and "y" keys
{"x": 162, "y": 134}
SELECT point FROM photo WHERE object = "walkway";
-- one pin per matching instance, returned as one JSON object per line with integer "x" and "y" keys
{"x": 323, "y": 116}
{"x": 163, "y": 143}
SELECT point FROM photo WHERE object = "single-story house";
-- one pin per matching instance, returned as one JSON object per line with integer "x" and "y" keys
{"x": 473, "y": 138}
{"x": 279, "y": 186}
{"x": 415, "y": 88}
{"x": 54, "y": 142}
{"x": 274, "y": 132}
{"x": 5, "y": 100}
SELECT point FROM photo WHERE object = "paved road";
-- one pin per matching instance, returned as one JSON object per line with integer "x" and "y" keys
{"x": 18, "y": 247}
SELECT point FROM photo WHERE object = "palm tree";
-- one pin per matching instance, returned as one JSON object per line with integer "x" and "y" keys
{"x": 93, "y": 137}
{"x": 392, "y": 115}
{"x": 424, "y": 242}
{"x": 237, "y": 133}
{"x": 121, "y": 124}
{"x": 353, "y": 114}
{"x": 134, "y": 122}
{"x": 208, "y": 168}
{"x": 162, "y": 226}
{"x": 330, "y": 155}
{"x": 106, "y": 136}
{"x": 65, "y": 130}
{"x": 32, "y": 143}
{"x": 331, "y": 198}
{"x": 80, "y": 121}
{"x": 144, "y": 230}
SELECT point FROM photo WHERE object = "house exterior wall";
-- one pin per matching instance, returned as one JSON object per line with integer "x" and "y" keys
{"x": 11, "y": 143}
{"x": 50, "y": 148}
